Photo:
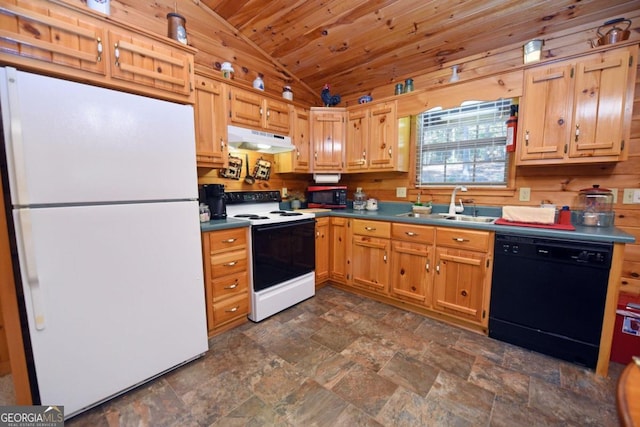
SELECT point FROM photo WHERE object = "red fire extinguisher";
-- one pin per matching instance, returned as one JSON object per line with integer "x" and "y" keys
{"x": 512, "y": 129}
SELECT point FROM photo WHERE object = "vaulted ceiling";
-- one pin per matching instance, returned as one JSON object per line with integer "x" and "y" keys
{"x": 358, "y": 45}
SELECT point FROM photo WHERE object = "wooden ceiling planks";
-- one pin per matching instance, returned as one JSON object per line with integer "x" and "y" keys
{"x": 367, "y": 46}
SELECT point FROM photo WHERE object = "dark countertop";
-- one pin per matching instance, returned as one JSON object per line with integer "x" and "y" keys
{"x": 388, "y": 211}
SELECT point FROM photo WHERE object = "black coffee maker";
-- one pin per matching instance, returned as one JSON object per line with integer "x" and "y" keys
{"x": 213, "y": 195}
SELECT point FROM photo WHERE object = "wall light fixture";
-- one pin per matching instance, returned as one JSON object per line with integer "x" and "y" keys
{"x": 532, "y": 51}
{"x": 454, "y": 74}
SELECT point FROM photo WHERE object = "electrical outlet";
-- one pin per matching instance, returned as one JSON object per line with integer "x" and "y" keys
{"x": 284, "y": 192}
{"x": 401, "y": 191}
{"x": 614, "y": 191}
{"x": 525, "y": 194}
{"x": 630, "y": 195}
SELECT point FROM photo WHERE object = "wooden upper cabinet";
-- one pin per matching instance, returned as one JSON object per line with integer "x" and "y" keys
{"x": 327, "y": 138}
{"x": 601, "y": 93}
{"x": 376, "y": 139}
{"x": 143, "y": 61}
{"x": 259, "y": 112}
{"x": 78, "y": 44}
{"x": 211, "y": 124}
{"x": 45, "y": 32}
{"x": 298, "y": 160}
{"x": 578, "y": 111}
{"x": 358, "y": 138}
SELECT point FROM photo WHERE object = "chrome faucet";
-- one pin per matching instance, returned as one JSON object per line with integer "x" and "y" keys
{"x": 453, "y": 209}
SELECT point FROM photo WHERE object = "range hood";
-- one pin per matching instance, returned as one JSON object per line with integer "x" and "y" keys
{"x": 255, "y": 140}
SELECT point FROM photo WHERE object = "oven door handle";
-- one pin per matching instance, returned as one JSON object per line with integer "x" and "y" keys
{"x": 281, "y": 225}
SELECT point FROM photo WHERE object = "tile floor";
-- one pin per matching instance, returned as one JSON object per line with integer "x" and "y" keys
{"x": 342, "y": 360}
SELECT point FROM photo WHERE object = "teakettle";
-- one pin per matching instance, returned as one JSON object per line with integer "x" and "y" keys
{"x": 614, "y": 35}
{"x": 372, "y": 205}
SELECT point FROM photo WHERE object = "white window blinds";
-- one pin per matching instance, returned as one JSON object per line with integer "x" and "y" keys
{"x": 464, "y": 145}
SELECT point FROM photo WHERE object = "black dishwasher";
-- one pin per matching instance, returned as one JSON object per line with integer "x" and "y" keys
{"x": 548, "y": 295}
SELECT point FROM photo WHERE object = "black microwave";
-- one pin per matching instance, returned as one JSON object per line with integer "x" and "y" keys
{"x": 327, "y": 196}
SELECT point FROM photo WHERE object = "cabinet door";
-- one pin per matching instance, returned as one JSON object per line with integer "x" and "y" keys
{"x": 371, "y": 263}
{"x": 246, "y": 108}
{"x": 147, "y": 62}
{"x": 358, "y": 137}
{"x": 600, "y": 101}
{"x": 298, "y": 160}
{"x": 383, "y": 136}
{"x": 211, "y": 127}
{"x": 546, "y": 112}
{"x": 322, "y": 250}
{"x": 459, "y": 283}
{"x": 327, "y": 138}
{"x": 410, "y": 271}
{"x": 339, "y": 259}
{"x": 46, "y": 32}
{"x": 277, "y": 116}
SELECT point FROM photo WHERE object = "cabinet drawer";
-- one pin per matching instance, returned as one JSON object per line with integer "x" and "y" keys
{"x": 225, "y": 240}
{"x": 226, "y": 286}
{"x": 230, "y": 309}
{"x": 412, "y": 233}
{"x": 372, "y": 228}
{"x": 229, "y": 263}
{"x": 463, "y": 239}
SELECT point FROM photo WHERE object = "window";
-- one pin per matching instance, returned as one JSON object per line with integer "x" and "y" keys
{"x": 464, "y": 145}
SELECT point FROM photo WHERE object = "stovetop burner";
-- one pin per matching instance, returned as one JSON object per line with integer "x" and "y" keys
{"x": 260, "y": 207}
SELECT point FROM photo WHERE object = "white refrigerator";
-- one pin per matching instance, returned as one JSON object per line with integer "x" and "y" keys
{"x": 104, "y": 205}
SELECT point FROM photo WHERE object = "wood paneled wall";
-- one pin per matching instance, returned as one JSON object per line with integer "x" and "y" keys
{"x": 217, "y": 43}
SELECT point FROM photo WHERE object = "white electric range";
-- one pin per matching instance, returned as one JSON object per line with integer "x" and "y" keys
{"x": 282, "y": 251}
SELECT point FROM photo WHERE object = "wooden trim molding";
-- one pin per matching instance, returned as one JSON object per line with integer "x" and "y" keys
{"x": 11, "y": 317}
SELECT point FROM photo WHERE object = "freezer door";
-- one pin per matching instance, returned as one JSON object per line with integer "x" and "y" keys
{"x": 68, "y": 142}
{"x": 121, "y": 296}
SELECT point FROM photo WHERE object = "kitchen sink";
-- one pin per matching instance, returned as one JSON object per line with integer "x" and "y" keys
{"x": 448, "y": 217}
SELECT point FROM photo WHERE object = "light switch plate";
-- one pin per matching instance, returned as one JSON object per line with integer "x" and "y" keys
{"x": 401, "y": 191}
{"x": 525, "y": 194}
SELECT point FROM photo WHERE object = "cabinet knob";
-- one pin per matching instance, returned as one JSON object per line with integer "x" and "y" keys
{"x": 463, "y": 293}
{"x": 560, "y": 121}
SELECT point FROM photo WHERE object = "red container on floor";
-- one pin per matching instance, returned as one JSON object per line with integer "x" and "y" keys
{"x": 626, "y": 334}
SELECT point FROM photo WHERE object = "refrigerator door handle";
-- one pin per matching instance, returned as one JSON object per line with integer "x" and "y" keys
{"x": 31, "y": 268}
{"x": 14, "y": 145}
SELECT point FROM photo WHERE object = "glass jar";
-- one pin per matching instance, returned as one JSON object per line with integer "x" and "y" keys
{"x": 359, "y": 200}
{"x": 399, "y": 89}
{"x": 596, "y": 206}
{"x": 408, "y": 85}
{"x": 205, "y": 212}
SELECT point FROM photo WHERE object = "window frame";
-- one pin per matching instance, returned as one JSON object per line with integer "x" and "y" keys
{"x": 500, "y": 108}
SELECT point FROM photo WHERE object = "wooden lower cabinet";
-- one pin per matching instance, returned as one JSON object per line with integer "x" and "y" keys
{"x": 442, "y": 272}
{"x": 463, "y": 273}
{"x": 322, "y": 250}
{"x": 226, "y": 260}
{"x": 370, "y": 253}
{"x": 339, "y": 249}
{"x": 411, "y": 262}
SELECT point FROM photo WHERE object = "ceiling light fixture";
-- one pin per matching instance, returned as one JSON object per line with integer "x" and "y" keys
{"x": 532, "y": 51}
{"x": 454, "y": 74}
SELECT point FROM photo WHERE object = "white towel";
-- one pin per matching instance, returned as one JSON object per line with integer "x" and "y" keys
{"x": 529, "y": 214}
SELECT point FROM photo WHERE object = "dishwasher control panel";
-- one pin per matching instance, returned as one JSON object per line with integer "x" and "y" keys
{"x": 572, "y": 251}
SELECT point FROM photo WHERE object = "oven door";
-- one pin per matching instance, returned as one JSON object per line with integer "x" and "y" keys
{"x": 282, "y": 251}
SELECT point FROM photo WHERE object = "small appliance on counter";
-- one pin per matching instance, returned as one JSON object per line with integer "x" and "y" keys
{"x": 359, "y": 200}
{"x": 372, "y": 205}
{"x": 213, "y": 195}
{"x": 327, "y": 196}
{"x": 595, "y": 207}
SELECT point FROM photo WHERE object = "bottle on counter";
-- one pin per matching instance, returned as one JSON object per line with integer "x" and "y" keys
{"x": 205, "y": 213}
{"x": 359, "y": 200}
